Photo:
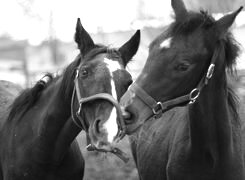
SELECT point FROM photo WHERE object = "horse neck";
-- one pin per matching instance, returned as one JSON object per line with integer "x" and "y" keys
{"x": 57, "y": 110}
{"x": 211, "y": 120}
{"x": 57, "y": 129}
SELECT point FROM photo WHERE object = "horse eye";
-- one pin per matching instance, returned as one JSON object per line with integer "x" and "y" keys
{"x": 183, "y": 66}
{"x": 84, "y": 72}
{"x": 128, "y": 83}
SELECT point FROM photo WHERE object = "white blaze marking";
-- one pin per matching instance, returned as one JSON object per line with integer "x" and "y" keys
{"x": 112, "y": 65}
{"x": 111, "y": 124}
{"x": 166, "y": 43}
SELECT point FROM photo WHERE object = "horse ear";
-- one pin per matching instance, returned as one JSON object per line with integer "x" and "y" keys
{"x": 83, "y": 39}
{"x": 179, "y": 9}
{"x": 129, "y": 49}
{"x": 226, "y": 21}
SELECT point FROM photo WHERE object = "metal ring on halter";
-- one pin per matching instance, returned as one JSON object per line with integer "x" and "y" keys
{"x": 157, "y": 110}
{"x": 210, "y": 71}
{"x": 194, "y": 95}
{"x": 77, "y": 73}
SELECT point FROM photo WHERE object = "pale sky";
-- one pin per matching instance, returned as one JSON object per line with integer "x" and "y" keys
{"x": 109, "y": 15}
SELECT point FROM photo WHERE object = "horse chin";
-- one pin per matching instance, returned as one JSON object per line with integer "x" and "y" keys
{"x": 100, "y": 141}
{"x": 104, "y": 146}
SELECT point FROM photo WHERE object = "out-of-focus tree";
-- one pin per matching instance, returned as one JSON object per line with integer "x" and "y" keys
{"x": 141, "y": 11}
{"x": 52, "y": 39}
{"x": 27, "y": 6}
{"x": 29, "y": 10}
{"x": 215, "y": 6}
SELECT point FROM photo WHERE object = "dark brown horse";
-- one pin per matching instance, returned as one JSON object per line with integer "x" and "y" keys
{"x": 182, "y": 113}
{"x": 37, "y": 137}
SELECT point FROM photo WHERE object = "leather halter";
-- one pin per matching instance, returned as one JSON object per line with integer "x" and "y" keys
{"x": 80, "y": 121}
{"x": 79, "y": 118}
{"x": 158, "y": 107}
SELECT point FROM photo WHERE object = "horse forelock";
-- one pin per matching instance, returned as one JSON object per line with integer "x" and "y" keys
{"x": 205, "y": 21}
{"x": 189, "y": 24}
{"x": 193, "y": 21}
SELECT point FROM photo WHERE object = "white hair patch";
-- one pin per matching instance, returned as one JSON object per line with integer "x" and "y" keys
{"x": 112, "y": 65}
{"x": 111, "y": 124}
{"x": 166, "y": 43}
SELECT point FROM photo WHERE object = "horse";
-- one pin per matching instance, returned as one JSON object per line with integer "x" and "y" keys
{"x": 8, "y": 92}
{"x": 37, "y": 137}
{"x": 181, "y": 113}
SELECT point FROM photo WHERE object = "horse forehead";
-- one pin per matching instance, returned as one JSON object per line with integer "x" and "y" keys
{"x": 193, "y": 45}
{"x": 112, "y": 65}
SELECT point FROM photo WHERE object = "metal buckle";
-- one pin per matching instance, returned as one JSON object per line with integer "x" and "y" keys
{"x": 157, "y": 111}
{"x": 194, "y": 95}
{"x": 210, "y": 71}
{"x": 79, "y": 109}
{"x": 90, "y": 147}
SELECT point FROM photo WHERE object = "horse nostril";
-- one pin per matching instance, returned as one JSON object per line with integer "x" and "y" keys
{"x": 127, "y": 116}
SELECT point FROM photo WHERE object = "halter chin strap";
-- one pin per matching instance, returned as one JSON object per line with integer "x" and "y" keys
{"x": 79, "y": 118}
{"x": 158, "y": 107}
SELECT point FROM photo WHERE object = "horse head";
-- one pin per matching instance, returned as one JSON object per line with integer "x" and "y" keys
{"x": 180, "y": 63}
{"x": 100, "y": 80}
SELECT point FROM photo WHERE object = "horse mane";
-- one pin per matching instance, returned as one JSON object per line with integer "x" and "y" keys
{"x": 233, "y": 102}
{"x": 230, "y": 53}
{"x": 30, "y": 96}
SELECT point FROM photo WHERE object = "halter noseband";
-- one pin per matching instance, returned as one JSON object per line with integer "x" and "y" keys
{"x": 79, "y": 120}
{"x": 158, "y": 107}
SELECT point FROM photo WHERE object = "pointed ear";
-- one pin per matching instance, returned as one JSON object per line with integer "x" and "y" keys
{"x": 226, "y": 21}
{"x": 83, "y": 39}
{"x": 129, "y": 49}
{"x": 179, "y": 9}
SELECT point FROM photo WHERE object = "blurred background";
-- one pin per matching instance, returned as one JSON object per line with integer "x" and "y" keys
{"x": 36, "y": 36}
